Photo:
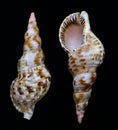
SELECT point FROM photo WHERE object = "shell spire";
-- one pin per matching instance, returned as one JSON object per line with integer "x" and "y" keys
{"x": 32, "y": 39}
{"x": 32, "y": 17}
{"x": 85, "y": 52}
{"x": 33, "y": 79}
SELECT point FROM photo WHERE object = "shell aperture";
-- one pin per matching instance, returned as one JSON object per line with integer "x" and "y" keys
{"x": 85, "y": 52}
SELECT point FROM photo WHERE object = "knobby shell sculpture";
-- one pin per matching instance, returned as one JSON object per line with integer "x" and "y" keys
{"x": 85, "y": 52}
{"x": 33, "y": 79}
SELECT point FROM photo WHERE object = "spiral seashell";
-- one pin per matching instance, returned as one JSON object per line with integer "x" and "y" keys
{"x": 33, "y": 79}
{"x": 85, "y": 52}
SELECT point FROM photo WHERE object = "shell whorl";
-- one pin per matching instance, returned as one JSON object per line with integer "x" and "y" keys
{"x": 85, "y": 52}
{"x": 33, "y": 79}
{"x": 32, "y": 52}
{"x": 32, "y": 38}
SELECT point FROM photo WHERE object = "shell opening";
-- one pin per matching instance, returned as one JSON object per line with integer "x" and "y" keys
{"x": 71, "y": 32}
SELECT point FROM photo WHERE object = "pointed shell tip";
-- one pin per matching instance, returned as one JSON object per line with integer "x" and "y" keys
{"x": 32, "y": 17}
{"x": 80, "y": 116}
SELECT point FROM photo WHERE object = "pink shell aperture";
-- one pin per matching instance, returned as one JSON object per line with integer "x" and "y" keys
{"x": 85, "y": 52}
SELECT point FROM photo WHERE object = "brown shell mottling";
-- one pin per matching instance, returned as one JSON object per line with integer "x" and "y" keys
{"x": 29, "y": 87}
{"x": 85, "y": 56}
{"x": 33, "y": 79}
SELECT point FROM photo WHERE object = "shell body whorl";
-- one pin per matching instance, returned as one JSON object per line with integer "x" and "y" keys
{"x": 33, "y": 79}
{"x": 85, "y": 52}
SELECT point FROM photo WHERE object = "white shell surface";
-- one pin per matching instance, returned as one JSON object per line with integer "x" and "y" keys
{"x": 33, "y": 79}
{"x": 85, "y": 52}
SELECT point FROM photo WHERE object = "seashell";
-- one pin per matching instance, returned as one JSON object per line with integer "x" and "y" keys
{"x": 33, "y": 79}
{"x": 85, "y": 52}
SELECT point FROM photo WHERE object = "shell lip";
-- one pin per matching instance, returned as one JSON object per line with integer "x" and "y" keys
{"x": 78, "y": 18}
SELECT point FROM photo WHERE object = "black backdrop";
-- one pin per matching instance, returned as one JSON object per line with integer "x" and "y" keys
{"x": 56, "y": 110}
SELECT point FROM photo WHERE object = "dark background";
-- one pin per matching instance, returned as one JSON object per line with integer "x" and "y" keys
{"x": 56, "y": 110}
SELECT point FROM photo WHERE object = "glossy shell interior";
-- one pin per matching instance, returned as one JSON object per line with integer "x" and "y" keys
{"x": 71, "y": 32}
